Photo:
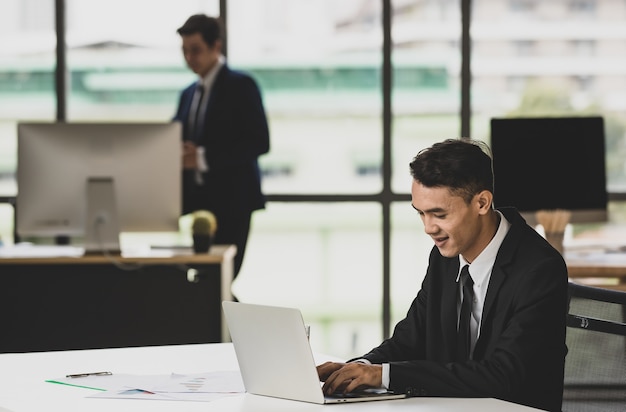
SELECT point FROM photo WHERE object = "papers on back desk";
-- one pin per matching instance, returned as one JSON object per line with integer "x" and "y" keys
{"x": 203, "y": 387}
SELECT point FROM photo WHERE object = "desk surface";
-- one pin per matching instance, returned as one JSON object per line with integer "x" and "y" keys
{"x": 597, "y": 260}
{"x": 596, "y": 254}
{"x": 51, "y": 255}
{"x": 23, "y": 387}
{"x": 597, "y": 268}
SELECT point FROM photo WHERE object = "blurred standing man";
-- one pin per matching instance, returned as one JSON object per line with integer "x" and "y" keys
{"x": 489, "y": 320}
{"x": 224, "y": 132}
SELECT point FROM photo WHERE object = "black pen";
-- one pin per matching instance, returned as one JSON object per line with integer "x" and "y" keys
{"x": 83, "y": 375}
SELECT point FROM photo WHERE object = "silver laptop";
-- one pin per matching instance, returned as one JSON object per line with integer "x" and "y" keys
{"x": 275, "y": 357}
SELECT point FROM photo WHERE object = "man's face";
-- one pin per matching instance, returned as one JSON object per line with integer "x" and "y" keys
{"x": 199, "y": 56}
{"x": 453, "y": 225}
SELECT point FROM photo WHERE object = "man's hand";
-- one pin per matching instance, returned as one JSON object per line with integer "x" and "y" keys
{"x": 190, "y": 157}
{"x": 348, "y": 377}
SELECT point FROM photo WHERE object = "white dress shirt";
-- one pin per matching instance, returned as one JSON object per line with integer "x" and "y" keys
{"x": 207, "y": 83}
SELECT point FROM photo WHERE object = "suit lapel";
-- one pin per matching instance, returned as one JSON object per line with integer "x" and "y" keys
{"x": 498, "y": 273}
{"x": 185, "y": 108}
{"x": 449, "y": 307}
{"x": 216, "y": 89}
{"x": 496, "y": 281}
{"x": 504, "y": 257}
{"x": 188, "y": 97}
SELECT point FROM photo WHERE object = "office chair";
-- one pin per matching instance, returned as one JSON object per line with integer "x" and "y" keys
{"x": 595, "y": 366}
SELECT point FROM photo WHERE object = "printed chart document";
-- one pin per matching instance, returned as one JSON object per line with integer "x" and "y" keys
{"x": 202, "y": 387}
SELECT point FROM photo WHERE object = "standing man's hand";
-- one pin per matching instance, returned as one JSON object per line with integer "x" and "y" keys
{"x": 190, "y": 157}
{"x": 348, "y": 377}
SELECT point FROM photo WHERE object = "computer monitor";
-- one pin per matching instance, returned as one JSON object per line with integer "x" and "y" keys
{"x": 95, "y": 180}
{"x": 550, "y": 163}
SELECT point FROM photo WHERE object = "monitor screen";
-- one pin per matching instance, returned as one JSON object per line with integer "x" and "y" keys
{"x": 550, "y": 163}
{"x": 115, "y": 177}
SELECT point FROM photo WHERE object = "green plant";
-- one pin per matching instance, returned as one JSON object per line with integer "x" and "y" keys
{"x": 204, "y": 223}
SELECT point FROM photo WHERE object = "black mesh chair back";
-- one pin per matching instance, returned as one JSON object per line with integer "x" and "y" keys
{"x": 595, "y": 366}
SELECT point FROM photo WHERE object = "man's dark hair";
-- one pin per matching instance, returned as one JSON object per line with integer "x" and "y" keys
{"x": 462, "y": 165}
{"x": 209, "y": 27}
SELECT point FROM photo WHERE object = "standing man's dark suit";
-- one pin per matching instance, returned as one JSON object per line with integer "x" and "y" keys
{"x": 224, "y": 133}
{"x": 520, "y": 353}
{"x": 235, "y": 134}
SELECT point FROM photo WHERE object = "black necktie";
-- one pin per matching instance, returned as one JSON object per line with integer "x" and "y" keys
{"x": 463, "y": 339}
{"x": 196, "y": 130}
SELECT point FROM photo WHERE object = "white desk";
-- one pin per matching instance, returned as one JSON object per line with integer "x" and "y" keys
{"x": 23, "y": 387}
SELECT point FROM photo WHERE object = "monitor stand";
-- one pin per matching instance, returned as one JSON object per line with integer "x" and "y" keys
{"x": 102, "y": 229}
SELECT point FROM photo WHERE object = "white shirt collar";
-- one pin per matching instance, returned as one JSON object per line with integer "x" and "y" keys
{"x": 207, "y": 81}
{"x": 482, "y": 265}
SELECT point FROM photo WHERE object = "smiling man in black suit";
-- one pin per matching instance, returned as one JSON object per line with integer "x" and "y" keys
{"x": 489, "y": 320}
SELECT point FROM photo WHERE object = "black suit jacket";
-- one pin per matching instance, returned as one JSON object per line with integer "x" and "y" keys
{"x": 235, "y": 135}
{"x": 520, "y": 353}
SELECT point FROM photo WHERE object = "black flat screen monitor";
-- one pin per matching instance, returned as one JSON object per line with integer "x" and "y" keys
{"x": 95, "y": 180}
{"x": 550, "y": 163}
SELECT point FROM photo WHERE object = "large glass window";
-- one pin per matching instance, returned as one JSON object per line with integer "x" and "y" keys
{"x": 318, "y": 64}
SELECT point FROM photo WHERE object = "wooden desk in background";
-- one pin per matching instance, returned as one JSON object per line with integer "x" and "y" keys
{"x": 601, "y": 269}
{"x": 84, "y": 302}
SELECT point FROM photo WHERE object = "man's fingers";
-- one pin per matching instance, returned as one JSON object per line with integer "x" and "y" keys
{"x": 338, "y": 380}
{"x": 326, "y": 369}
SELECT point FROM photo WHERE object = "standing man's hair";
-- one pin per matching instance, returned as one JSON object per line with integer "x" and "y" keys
{"x": 209, "y": 27}
{"x": 462, "y": 165}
